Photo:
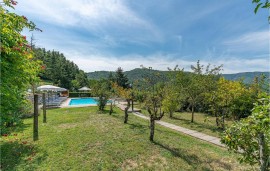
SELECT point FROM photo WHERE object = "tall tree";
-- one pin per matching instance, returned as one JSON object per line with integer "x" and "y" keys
{"x": 18, "y": 69}
{"x": 59, "y": 70}
{"x": 121, "y": 79}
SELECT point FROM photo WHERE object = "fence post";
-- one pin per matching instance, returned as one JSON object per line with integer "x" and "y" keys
{"x": 44, "y": 108}
{"x": 35, "y": 127}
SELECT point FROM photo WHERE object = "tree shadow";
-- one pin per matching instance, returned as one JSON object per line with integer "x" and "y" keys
{"x": 22, "y": 152}
{"x": 138, "y": 127}
{"x": 201, "y": 126}
{"x": 176, "y": 118}
{"x": 17, "y": 128}
{"x": 192, "y": 159}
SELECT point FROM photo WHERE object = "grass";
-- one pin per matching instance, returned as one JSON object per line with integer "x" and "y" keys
{"x": 202, "y": 122}
{"x": 82, "y": 139}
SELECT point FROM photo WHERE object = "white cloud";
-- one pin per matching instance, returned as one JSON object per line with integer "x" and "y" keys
{"x": 159, "y": 61}
{"x": 255, "y": 41}
{"x": 94, "y": 16}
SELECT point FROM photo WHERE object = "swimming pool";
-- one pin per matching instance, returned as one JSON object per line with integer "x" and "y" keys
{"x": 82, "y": 101}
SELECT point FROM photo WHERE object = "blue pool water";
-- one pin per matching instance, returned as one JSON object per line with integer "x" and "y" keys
{"x": 83, "y": 101}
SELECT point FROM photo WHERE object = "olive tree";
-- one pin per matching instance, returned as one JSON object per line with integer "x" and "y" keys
{"x": 194, "y": 85}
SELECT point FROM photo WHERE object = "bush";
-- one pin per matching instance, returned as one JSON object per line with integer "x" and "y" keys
{"x": 102, "y": 101}
{"x": 79, "y": 94}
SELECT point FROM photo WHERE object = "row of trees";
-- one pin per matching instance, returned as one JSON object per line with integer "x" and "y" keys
{"x": 205, "y": 90}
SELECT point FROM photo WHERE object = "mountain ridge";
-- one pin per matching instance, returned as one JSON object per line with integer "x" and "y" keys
{"x": 138, "y": 73}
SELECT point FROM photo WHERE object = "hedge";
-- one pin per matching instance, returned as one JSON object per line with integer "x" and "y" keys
{"x": 79, "y": 94}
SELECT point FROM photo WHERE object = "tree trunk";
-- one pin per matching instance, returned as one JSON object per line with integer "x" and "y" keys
{"x": 35, "y": 125}
{"x": 171, "y": 114}
{"x": 217, "y": 122}
{"x": 44, "y": 108}
{"x": 111, "y": 108}
{"x": 152, "y": 129}
{"x": 126, "y": 111}
{"x": 223, "y": 119}
{"x": 192, "y": 114}
{"x": 263, "y": 155}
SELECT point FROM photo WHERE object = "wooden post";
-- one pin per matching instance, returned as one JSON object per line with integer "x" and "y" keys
{"x": 35, "y": 127}
{"x": 44, "y": 108}
{"x": 132, "y": 105}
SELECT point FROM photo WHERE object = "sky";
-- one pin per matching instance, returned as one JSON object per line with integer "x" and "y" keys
{"x": 107, "y": 34}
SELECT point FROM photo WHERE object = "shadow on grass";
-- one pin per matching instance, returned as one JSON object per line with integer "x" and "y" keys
{"x": 138, "y": 127}
{"x": 192, "y": 159}
{"x": 14, "y": 153}
{"x": 17, "y": 128}
{"x": 200, "y": 126}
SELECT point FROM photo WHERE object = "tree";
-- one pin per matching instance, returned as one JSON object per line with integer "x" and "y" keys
{"x": 59, "y": 70}
{"x": 194, "y": 85}
{"x": 153, "y": 100}
{"x": 251, "y": 136}
{"x": 80, "y": 80}
{"x": 125, "y": 93}
{"x": 226, "y": 93}
{"x": 102, "y": 92}
{"x": 153, "y": 105}
{"x": 18, "y": 68}
{"x": 121, "y": 79}
{"x": 171, "y": 100}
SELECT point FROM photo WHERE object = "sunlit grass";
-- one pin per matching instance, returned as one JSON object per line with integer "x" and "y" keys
{"x": 202, "y": 122}
{"x": 82, "y": 139}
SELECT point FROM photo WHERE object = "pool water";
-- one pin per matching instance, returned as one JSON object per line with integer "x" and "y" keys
{"x": 83, "y": 101}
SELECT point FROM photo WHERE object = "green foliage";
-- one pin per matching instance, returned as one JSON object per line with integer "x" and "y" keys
{"x": 79, "y": 94}
{"x": 244, "y": 135}
{"x": 59, "y": 70}
{"x": 121, "y": 79}
{"x": 247, "y": 77}
{"x": 139, "y": 74}
{"x": 18, "y": 69}
{"x": 80, "y": 80}
{"x": 194, "y": 85}
{"x": 260, "y": 4}
{"x": 101, "y": 90}
{"x": 81, "y": 139}
{"x": 171, "y": 100}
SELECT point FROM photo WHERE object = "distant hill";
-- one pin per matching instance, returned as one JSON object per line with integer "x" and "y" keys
{"x": 247, "y": 76}
{"x": 135, "y": 74}
{"x": 138, "y": 73}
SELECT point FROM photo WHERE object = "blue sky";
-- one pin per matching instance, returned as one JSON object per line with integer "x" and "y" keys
{"x": 106, "y": 34}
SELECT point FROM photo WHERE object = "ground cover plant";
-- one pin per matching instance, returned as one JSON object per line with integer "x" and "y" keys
{"x": 84, "y": 139}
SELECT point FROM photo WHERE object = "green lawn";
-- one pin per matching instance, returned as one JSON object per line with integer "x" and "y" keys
{"x": 202, "y": 122}
{"x": 82, "y": 139}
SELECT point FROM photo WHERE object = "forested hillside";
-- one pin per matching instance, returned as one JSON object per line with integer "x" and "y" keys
{"x": 138, "y": 73}
{"x": 247, "y": 76}
{"x": 59, "y": 70}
